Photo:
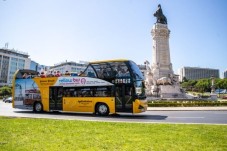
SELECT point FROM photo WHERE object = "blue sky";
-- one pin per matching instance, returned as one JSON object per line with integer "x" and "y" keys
{"x": 52, "y": 31}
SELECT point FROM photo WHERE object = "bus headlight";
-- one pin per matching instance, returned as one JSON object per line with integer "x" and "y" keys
{"x": 142, "y": 108}
{"x": 138, "y": 90}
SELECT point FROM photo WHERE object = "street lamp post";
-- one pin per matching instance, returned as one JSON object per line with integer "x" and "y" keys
{"x": 212, "y": 85}
{"x": 213, "y": 95}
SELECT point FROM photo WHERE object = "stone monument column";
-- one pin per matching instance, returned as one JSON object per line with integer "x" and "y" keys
{"x": 161, "y": 80}
{"x": 161, "y": 64}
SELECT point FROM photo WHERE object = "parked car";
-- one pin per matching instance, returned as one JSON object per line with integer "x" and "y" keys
{"x": 9, "y": 100}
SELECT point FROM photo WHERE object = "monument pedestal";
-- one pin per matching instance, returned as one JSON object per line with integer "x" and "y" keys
{"x": 214, "y": 97}
{"x": 171, "y": 91}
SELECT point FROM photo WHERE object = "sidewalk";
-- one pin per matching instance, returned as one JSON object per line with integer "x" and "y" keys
{"x": 218, "y": 108}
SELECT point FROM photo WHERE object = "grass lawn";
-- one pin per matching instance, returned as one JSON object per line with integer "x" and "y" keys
{"x": 46, "y": 134}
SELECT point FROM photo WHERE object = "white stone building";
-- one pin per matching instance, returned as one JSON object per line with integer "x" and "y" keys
{"x": 195, "y": 73}
{"x": 10, "y": 61}
{"x": 225, "y": 74}
{"x": 70, "y": 66}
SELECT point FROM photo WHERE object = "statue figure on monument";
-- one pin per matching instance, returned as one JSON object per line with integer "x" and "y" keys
{"x": 160, "y": 16}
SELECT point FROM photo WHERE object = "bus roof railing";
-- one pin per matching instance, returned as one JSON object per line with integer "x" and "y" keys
{"x": 19, "y": 73}
{"x": 104, "y": 61}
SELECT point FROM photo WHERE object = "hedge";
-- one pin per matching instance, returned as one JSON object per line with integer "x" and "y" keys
{"x": 185, "y": 103}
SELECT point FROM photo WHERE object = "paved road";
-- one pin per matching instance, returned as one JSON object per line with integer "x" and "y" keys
{"x": 157, "y": 116}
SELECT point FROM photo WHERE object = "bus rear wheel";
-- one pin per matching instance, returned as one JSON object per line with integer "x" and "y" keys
{"x": 38, "y": 107}
{"x": 102, "y": 109}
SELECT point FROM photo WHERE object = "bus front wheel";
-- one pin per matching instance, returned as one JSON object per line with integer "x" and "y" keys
{"x": 102, "y": 109}
{"x": 38, "y": 107}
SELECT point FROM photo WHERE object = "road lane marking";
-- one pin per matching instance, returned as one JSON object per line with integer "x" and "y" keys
{"x": 186, "y": 117}
{"x": 221, "y": 113}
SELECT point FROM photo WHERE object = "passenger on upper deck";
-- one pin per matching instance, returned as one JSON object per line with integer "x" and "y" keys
{"x": 58, "y": 74}
{"x": 24, "y": 76}
{"x": 81, "y": 74}
{"x": 42, "y": 75}
{"x": 127, "y": 74}
{"x": 55, "y": 72}
{"x": 123, "y": 73}
{"x": 27, "y": 76}
{"x": 67, "y": 73}
{"x": 50, "y": 74}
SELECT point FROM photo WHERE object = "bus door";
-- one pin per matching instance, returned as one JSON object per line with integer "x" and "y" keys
{"x": 55, "y": 98}
{"x": 123, "y": 98}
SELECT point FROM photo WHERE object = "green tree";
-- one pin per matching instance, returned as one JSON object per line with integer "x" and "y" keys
{"x": 203, "y": 85}
{"x": 224, "y": 83}
{"x": 184, "y": 79}
{"x": 189, "y": 85}
{"x": 221, "y": 83}
{"x": 5, "y": 91}
{"x": 218, "y": 83}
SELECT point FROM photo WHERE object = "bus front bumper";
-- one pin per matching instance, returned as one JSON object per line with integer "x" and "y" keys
{"x": 140, "y": 106}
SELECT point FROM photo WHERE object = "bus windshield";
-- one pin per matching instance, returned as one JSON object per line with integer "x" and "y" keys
{"x": 136, "y": 71}
{"x": 113, "y": 70}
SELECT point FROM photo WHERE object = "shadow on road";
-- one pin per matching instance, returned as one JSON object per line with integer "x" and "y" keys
{"x": 139, "y": 116}
{"x": 120, "y": 116}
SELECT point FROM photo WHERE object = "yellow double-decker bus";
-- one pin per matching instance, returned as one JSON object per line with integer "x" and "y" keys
{"x": 105, "y": 87}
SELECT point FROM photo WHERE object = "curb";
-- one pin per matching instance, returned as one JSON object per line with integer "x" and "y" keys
{"x": 187, "y": 109}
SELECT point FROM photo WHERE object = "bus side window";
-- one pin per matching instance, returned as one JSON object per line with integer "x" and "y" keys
{"x": 128, "y": 91}
{"x": 66, "y": 93}
{"x": 79, "y": 93}
{"x": 118, "y": 92}
{"x": 111, "y": 90}
{"x": 75, "y": 93}
{"x": 91, "y": 74}
{"x": 60, "y": 92}
{"x": 86, "y": 92}
{"x": 100, "y": 74}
